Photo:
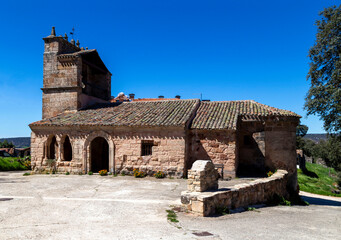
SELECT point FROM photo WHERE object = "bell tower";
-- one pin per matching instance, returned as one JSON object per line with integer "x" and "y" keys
{"x": 73, "y": 78}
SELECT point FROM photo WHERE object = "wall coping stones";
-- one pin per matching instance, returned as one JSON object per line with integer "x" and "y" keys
{"x": 244, "y": 194}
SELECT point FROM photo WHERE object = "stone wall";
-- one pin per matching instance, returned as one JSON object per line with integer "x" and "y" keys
{"x": 168, "y": 151}
{"x": 241, "y": 195}
{"x": 60, "y": 81}
{"x": 251, "y": 139}
{"x": 202, "y": 176}
{"x": 280, "y": 149}
{"x": 66, "y": 86}
{"x": 216, "y": 145}
{"x": 58, "y": 101}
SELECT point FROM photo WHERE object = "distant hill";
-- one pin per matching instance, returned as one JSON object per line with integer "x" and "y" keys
{"x": 19, "y": 142}
{"x": 316, "y": 137}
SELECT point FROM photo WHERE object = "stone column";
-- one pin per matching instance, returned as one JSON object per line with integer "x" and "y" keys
{"x": 202, "y": 177}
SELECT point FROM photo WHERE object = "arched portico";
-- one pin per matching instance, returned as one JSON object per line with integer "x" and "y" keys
{"x": 99, "y": 154}
{"x": 93, "y": 141}
{"x": 66, "y": 152}
{"x": 51, "y": 148}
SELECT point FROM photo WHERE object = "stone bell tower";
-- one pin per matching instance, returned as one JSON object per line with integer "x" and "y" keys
{"x": 73, "y": 77}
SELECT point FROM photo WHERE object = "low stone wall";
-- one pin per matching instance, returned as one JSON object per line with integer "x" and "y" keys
{"x": 241, "y": 195}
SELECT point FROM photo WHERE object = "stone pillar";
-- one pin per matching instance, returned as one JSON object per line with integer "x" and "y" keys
{"x": 202, "y": 177}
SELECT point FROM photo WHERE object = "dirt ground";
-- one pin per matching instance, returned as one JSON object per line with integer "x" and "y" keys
{"x": 95, "y": 207}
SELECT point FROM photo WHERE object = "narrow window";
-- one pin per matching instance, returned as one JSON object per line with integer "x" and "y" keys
{"x": 146, "y": 148}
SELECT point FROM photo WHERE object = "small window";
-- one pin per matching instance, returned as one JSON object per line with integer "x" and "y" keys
{"x": 146, "y": 148}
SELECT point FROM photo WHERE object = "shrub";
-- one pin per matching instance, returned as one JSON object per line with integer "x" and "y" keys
{"x": 103, "y": 172}
{"x": 270, "y": 173}
{"x": 278, "y": 200}
{"x": 339, "y": 180}
{"x": 11, "y": 164}
{"x": 27, "y": 163}
{"x": 26, "y": 174}
{"x": 222, "y": 210}
{"x": 160, "y": 174}
{"x": 90, "y": 173}
{"x": 67, "y": 173}
{"x": 123, "y": 173}
{"x": 138, "y": 173}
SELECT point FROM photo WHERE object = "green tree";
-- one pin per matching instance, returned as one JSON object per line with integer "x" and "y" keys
{"x": 332, "y": 152}
{"x": 6, "y": 144}
{"x": 301, "y": 131}
{"x": 324, "y": 96}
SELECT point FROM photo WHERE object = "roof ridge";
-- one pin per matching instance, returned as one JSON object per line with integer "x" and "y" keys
{"x": 168, "y": 100}
{"x": 229, "y": 101}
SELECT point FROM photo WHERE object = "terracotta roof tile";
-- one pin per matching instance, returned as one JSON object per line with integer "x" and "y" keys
{"x": 153, "y": 99}
{"x": 224, "y": 115}
{"x": 208, "y": 115}
{"x": 155, "y": 113}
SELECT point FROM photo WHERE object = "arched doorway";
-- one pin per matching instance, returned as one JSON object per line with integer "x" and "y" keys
{"x": 99, "y": 154}
{"x": 52, "y": 148}
{"x": 67, "y": 149}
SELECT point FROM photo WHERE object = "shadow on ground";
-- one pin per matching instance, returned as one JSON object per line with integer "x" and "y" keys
{"x": 320, "y": 201}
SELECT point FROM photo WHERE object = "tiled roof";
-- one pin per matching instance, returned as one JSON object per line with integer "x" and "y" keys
{"x": 209, "y": 115}
{"x": 89, "y": 55}
{"x": 153, "y": 99}
{"x": 157, "y": 113}
{"x": 81, "y": 52}
{"x": 224, "y": 115}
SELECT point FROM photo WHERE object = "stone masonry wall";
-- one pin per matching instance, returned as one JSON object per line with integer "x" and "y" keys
{"x": 216, "y": 145}
{"x": 59, "y": 101}
{"x": 280, "y": 149}
{"x": 168, "y": 152}
{"x": 241, "y": 195}
{"x": 61, "y": 82}
{"x": 202, "y": 176}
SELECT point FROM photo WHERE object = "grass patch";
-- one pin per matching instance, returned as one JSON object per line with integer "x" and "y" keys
{"x": 171, "y": 216}
{"x": 26, "y": 174}
{"x": 222, "y": 210}
{"x": 324, "y": 184}
{"x": 11, "y": 164}
{"x": 278, "y": 200}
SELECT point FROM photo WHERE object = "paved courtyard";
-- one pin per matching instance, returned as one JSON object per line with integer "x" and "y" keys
{"x": 95, "y": 207}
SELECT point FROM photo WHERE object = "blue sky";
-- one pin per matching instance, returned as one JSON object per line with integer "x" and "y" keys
{"x": 226, "y": 50}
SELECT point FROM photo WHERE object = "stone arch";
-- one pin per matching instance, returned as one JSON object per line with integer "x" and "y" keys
{"x": 86, "y": 150}
{"x": 66, "y": 150}
{"x": 99, "y": 154}
{"x": 52, "y": 148}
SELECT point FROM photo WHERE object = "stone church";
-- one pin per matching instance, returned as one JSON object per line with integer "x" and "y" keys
{"x": 84, "y": 129}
